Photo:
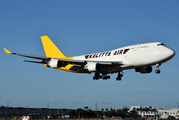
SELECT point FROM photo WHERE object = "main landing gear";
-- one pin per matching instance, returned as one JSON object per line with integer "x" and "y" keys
{"x": 157, "y": 71}
{"x": 118, "y": 78}
{"x": 97, "y": 76}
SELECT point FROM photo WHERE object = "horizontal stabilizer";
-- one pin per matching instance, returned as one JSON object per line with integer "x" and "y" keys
{"x": 42, "y": 62}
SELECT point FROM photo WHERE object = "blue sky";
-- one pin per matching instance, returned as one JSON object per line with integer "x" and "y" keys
{"x": 82, "y": 27}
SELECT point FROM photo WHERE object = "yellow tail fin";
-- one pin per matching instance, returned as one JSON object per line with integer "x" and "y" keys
{"x": 51, "y": 49}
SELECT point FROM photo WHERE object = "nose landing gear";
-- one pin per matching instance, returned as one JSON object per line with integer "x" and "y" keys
{"x": 118, "y": 78}
{"x": 157, "y": 71}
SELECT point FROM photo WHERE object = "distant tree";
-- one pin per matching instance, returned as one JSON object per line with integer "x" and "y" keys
{"x": 72, "y": 113}
{"x": 125, "y": 109}
{"x": 3, "y": 106}
{"x": 79, "y": 110}
{"x": 133, "y": 115}
{"x": 86, "y": 107}
{"x": 138, "y": 109}
{"x": 93, "y": 114}
{"x": 123, "y": 113}
{"x": 80, "y": 113}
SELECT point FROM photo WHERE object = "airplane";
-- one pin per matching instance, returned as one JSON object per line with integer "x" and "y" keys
{"x": 139, "y": 57}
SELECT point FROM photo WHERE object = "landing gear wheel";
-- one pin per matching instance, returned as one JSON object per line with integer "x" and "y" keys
{"x": 157, "y": 71}
{"x": 96, "y": 76}
{"x": 106, "y": 77}
{"x": 118, "y": 78}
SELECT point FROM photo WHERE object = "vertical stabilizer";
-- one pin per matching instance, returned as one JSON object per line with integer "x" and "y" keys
{"x": 51, "y": 49}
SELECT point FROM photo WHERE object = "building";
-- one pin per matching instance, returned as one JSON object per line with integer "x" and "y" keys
{"x": 155, "y": 113}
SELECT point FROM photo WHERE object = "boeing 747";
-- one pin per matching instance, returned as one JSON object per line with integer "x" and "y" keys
{"x": 139, "y": 57}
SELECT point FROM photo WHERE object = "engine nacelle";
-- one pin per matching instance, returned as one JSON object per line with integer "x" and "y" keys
{"x": 144, "y": 69}
{"x": 92, "y": 67}
{"x": 55, "y": 63}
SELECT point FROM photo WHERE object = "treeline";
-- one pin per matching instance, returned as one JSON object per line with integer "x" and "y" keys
{"x": 88, "y": 113}
{"x": 80, "y": 113}
{"x": 145, "y": 109}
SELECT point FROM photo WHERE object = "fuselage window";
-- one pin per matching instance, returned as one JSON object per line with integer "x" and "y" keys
{"x": 160, "y": 44}
{"x": 126, "y": 50}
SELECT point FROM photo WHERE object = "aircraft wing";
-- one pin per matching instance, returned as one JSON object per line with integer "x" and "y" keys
{"x": 30, "y": 56}
{"x": 44, "y": 59}
{"x": 89, "y": 61}
{"x": 79, "y": 63}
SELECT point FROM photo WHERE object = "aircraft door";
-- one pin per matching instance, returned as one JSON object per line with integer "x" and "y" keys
{"x": 136, "y": 47}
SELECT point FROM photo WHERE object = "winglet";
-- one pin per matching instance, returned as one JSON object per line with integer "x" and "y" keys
{"x": 7, "y": 51}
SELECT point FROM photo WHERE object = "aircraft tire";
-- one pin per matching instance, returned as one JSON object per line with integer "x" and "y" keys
{"x": 157, "y": 71}
{"x": 118, "y": 78}
{"x": 95, "y": 78}
{"x": 106, "y": 77}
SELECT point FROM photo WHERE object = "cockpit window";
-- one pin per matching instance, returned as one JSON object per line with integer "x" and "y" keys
{"x": 161, "y": 44}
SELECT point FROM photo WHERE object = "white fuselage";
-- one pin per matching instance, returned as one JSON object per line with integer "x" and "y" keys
{"x": 133, "y": 56}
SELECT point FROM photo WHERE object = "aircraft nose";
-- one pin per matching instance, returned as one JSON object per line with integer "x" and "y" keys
{"x": 167, "y": 54}
{"x": 170, "y": 53}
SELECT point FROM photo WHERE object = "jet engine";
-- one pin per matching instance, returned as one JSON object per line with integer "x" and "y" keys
{"x": 144, "y": 69}
{"x": 55, "y": 63}
{"x": 92, "y": 67}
